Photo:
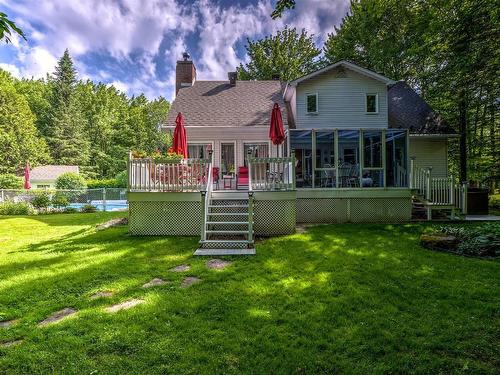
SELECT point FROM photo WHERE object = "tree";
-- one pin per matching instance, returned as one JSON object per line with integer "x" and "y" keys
{"x": 280, "y": 7}
{"x": 19, "y": 139}
{"x": 65, "y": 135}
{"x": 10, "y": 181}
{"x": 287, "y": 54}
{"x": 7, "y": 27}
{"x": 70, "y": 181}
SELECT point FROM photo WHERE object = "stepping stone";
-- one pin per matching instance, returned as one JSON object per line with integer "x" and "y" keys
{"x": 10, "y": 343}
{"x": 124, "y": 305}
{"x": 181, "y": 268}
{"x": 101, "y": 295}
{"x": 113, "y": 223}
{"x": 8, "y": 323}
{"x": 301, "y": 229}
{"x": 217, "y": 264}
{"x": 58, "y": 316}
{"x": 188, "y": 281}
{"x": 154, "y": 282}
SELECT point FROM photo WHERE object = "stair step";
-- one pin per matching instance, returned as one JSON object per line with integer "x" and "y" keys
{"x": 228, "y": 213}
{"x": 229, "y": 205}
{"x": 245, "y": 198}
{"x": 226, "y": 241}
{"x": 226, "y": 231}
{"x": 213, "y": 252}
{"x": 228, "y": 222}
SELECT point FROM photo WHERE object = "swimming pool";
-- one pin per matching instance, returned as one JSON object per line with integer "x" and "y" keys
{"x": 114, "y": 205}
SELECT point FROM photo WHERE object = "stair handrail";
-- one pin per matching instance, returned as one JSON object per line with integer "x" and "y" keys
{"x": 250, "y": 199}
{"x": 206, "y": 196}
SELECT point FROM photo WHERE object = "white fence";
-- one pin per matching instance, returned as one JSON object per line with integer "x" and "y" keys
{"x": 105, "y": 199}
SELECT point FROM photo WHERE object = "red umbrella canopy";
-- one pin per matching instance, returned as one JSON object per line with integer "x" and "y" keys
{"x": 276, "y": 131}
{"x": 27, "y": 184}
{"x": 180, "y": 138}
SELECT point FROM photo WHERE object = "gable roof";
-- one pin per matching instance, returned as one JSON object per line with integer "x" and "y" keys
{"x": 217, "y": 103}
{"x": 348, "y": 65}
{"x": 407, "y": 110}
{"x": 51, "y": 172}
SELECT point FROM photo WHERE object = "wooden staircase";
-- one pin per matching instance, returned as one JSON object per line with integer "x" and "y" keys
{"x": 228, "y": 225}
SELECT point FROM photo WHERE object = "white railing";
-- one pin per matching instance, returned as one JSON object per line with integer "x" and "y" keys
{"x": 272, "y": 173}
{"x": 401, "y": 176}
{"x": 149, "y": 175}
{"x": 206, "y": 197}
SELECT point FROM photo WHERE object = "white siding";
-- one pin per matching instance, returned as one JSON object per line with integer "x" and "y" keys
{"x": 341, "y": 101}
{"x": 430, "y": 153}
{"x": 239, "y": 135}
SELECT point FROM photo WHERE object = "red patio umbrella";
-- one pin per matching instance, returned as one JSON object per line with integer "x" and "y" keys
{"x": 180, "y": 139}
{"x": 27, "y": 184}
{"x": 276, "y": 131}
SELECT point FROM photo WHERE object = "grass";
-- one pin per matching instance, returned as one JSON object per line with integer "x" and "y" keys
{"x": 337, "y": 299}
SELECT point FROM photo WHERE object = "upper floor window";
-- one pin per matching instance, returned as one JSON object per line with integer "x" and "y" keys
{"x": 312, "y": 103}
{"x": 371, "y": 103}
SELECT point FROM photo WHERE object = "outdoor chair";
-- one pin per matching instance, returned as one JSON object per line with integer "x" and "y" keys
{"x": 242, "y": 177}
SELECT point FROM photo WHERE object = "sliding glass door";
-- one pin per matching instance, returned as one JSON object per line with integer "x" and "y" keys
{"x": 227, "y": 158}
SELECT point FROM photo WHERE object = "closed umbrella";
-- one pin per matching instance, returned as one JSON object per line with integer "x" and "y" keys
{"x": 180, "y": 138}
{"x": 27, "y": 184}
{"x": 276, "y": 131}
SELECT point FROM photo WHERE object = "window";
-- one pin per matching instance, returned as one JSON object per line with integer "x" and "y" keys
{"x": 325, "y": 159}
{"x": 396, "y": 157}
{"x": 198, "y": 151}
{"x": 372, "y": 103}
{"x": 348, "y": 158}
{"x": 42, "y": 186}
{"x": 301, "y": 146}
{"x": 373, "y": 173}
{"x": 312, "y": 103}
{"x": 258, "y": 150}
{"x": 227, "y": 158}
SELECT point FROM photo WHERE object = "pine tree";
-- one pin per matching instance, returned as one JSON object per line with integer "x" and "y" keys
{"x": 66, "y": 139}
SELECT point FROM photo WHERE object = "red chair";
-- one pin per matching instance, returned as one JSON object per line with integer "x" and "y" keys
{"x": 242, "y": 178}
{"x": 215, "y": 176}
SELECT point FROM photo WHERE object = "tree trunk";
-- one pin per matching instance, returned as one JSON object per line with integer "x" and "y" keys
{"x": 462, "y": 125}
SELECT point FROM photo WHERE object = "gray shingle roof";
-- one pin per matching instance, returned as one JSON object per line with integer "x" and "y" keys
{"x": 51, "y": 172}
{"x": 407, "y": 110}
{"x": 217, "y": 103}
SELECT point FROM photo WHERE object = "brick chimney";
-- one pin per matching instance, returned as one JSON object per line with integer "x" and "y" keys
{"x": 232, "y": 76}
{"x": 185, "y": 72}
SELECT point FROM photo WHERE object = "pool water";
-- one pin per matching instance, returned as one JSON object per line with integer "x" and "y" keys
{"x": 117, "y": 205}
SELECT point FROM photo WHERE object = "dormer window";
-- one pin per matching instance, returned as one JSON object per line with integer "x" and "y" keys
{"x": 312, "y": 103}
{"x": 372, "y": 103}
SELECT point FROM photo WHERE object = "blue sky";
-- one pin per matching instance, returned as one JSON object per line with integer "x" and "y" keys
{"x": 134, "y": 44}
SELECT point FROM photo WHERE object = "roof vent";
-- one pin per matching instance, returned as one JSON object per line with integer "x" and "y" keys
{"x": 232, "y": 78}
{"x": 186, "y": 56}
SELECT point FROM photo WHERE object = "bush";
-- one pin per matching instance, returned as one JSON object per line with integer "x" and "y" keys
{"x": 10, "y": 181}
{"x": 480, "y": 240}
{"x": 41, "y": 201}
{"x": 59, "y": 200}
{"x": 88, "y": 208}
{"x": 103, "y": 183}
{"x": 16, "y": 208}
{"x": 494, "y": 201}
{"x": 70, "y": 210}
{"x": 70, "y": 181}
{"x": 122, "y": 179}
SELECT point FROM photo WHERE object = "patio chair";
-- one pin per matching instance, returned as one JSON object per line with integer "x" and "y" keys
{"x": 242, "y": 177}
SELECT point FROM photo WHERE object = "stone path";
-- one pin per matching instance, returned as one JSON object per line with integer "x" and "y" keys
{"x": 190, "y": 280}
{"x": 10, "y": 343}
{"x": 155, "y": 282}
{"x": 58, "y": 316}
{"x": 104, "y": 294}
{"x": 181, "y": 268}
{"x": 8, "y": 323}
{"x": 124, "y": 305}
{"x": 113, "y": 223}
{"x": 217, "y": 264}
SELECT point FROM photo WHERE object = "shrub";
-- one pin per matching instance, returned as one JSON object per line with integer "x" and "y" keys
{"x": 10, "y": 181}
{"x": 70, "y": 181}
{"x": 41, "y": 201}
{"x": 59, "y": 200}
{"x": 480, "y": 240}
{"x": 70, "y": 210}
{"x": 494, "y": 201}
{"x": 16, "y": 208}
{"x": 88, "y": 208}
{"x": 102, "y": 183}
{"x": 122, "y": 179}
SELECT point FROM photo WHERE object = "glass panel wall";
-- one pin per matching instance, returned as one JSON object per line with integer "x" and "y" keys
{"x": 348, "y": 159}
{"x": 301, "y": 144}
{"x": 325, "y": 159}
{"x": 396, "y": 166}
{"x": 198, "y": 151}
{"x": 373, "y": 174}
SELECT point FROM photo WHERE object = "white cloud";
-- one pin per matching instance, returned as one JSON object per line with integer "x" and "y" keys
{"x": 12, "y": 69}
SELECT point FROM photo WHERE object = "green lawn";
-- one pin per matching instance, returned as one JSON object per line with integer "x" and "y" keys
{"x": 337, "y": 299}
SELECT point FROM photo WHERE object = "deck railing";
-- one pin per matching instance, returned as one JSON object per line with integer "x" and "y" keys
{"x": 272, "y": 173}
{"x": 149, "y": 175}
{"x": 206, "y": 196}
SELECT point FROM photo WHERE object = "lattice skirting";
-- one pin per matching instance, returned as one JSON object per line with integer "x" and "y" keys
{"x": 274, "y": 217}
{"x": 356, "y": 210}
{"x": 149, "y": 218}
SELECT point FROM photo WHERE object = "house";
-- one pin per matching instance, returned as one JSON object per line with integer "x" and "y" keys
{"x": 45, "y": 176}
{"x": 359, "y": 147}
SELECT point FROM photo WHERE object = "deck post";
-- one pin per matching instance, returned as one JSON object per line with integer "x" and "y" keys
{"x": 428, "y": 183}
{"x": 452, "y": 190}
{"x": 250, "y": 218}
{"x": 292, "y": 172}
{"x": 412, "y": 172}
{"x": 3, "y": 196}
{"x": 464, "y": 197}
{"x": 203, "y": 215}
